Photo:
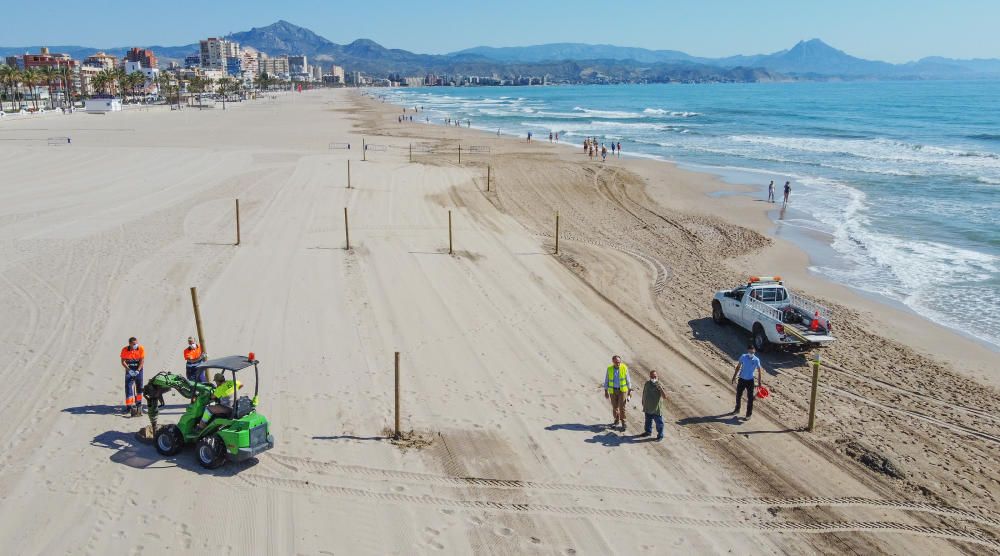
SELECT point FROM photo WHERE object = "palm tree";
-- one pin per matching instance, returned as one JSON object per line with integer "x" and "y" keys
{"x": 135, "y": 80}
{"x": 67, "y": 79}
{"x": 105, "y": 81}
{"x": 48, "y": 74}
{"x": 8, "y": 76}
{"x": 31, "y": 78}
{"x": 198, "y": 85}
{"x": 225, "y": 85}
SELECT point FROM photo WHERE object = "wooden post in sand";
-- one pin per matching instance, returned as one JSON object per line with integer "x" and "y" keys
{"x": 347, "y": 232}
{"x": 489, "y": 170}
{"x": 364, "y": 150}
{"x": 411, "y": 152}
{"x": 397, "y": 394}
{"x": 197, "y": 319}
{"x": 348, "y": 174}
{"x": 557, "y": 232}
{"x": 460, "y": 154}
{"x": 812, "y": 394}
{"x": 237, "y": 221}
{"x": 450, "y": 245}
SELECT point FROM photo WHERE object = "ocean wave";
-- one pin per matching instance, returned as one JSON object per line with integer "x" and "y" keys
{"x": 985, "y": 136}
{"x": 676, "y": 114}
{"x": 878, "y": 149}
{"x": 607, "y": 113}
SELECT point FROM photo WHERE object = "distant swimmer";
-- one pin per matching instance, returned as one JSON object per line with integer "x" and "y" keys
{"x": 617, "y": 388}
{"x": 770, "y": 192}
{"x": 788, "y": 191}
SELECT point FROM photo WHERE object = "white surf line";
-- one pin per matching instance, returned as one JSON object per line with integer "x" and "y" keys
{"x": 705, "y": 500}
{"x": 680, "y": 522}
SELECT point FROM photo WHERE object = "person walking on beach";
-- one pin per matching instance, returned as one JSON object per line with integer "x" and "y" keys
{"x": 604, "y": 153}
{"x": 652, "y": 396}
{"x": 133, "y": 357}
{"x": 746, "y": 367}
{"x": 770, "y": 192}
{"x": 617, "y": 388}
{"x": 550, "y": 137}
{"x": 619, "y": 149}
{"x": 788, "y": 191}
{"x": 529, "y": 136}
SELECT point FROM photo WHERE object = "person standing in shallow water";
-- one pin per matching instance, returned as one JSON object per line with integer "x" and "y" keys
{"x": 788, "y": 191}
{"x": 770, "y": 192}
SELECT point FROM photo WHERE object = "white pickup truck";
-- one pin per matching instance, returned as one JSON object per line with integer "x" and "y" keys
{"x": 774, "y": 315}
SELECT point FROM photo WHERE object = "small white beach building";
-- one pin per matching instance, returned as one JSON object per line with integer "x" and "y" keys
{"x": 103, "y": 105}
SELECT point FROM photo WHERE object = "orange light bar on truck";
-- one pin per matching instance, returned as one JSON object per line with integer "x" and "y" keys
{"x": 754, "y": 279}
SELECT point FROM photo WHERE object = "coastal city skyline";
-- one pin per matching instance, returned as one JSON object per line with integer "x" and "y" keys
{"x": 885, "y": 31}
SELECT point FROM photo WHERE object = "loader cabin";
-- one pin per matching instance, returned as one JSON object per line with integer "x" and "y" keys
{"x": 768, "y": 289}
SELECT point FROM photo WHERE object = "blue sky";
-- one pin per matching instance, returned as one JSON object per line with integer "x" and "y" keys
{"x": 893, "y": 30}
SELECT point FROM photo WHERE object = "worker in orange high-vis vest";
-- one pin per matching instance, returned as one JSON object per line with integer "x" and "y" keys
{"x": 618, "y": 389}
{"x": 192, "y": 356}
{"x": 133, "y": 358}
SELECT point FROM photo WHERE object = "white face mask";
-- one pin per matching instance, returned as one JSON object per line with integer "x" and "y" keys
{"x": 654, "y": 380}
{"x": 191, "y": 346}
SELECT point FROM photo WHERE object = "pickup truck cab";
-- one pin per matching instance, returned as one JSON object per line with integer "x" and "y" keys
{"x": 773, "y": 315}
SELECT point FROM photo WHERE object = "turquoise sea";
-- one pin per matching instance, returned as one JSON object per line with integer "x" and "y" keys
{"x": 903, "y": 178}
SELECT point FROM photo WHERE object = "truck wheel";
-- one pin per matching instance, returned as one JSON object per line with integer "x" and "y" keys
{"x": 760, "y": 342}
{"x": 211, "y": 452}
{"x": 717, "y": 315}
{"x": 168, "y": 440}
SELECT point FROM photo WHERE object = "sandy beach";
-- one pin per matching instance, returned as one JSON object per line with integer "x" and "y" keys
{"x": 503, "y": 349}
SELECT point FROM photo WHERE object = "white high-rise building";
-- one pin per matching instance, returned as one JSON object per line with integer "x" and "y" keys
{"x": 215, "y": 51}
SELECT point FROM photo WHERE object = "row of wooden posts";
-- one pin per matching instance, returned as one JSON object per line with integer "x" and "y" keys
{"x": 347, "y": 231}
{"x": 451, "y": 251}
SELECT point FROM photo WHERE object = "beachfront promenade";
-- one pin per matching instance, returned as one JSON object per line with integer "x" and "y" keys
{"x": 503, "y": 348}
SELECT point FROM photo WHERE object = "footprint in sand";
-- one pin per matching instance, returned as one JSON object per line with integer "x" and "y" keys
{"x": 505, "y": 531}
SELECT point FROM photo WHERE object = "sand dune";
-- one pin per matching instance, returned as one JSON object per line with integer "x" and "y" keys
{"x": 503, "y": 347}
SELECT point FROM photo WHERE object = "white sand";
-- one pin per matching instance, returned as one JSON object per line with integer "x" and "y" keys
{"x": 503, "y": 348}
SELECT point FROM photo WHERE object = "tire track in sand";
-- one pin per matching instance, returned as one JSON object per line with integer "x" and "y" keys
{"x": 294, "y": 463}
{"x": 680, "y": 522}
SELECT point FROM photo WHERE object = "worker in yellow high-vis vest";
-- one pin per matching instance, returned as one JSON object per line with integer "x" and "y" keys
{"x": 618, "y": 389}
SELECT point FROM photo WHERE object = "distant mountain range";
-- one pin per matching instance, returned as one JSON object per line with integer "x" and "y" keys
{"x": 807, "y": 58}
{"x": 812, "y": 59}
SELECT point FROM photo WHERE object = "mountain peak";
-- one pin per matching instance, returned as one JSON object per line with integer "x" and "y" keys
{"x": 814, "y": 46}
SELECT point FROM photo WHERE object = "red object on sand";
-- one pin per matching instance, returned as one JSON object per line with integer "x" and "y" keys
{"x": 763, "y": 392}
{"x": 814, "y": 325}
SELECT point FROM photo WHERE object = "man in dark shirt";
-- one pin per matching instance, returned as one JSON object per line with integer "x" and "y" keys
{"x": 652, "y": 398}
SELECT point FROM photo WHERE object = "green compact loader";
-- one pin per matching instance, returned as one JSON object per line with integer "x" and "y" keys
{"x": 233, "y": 432}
